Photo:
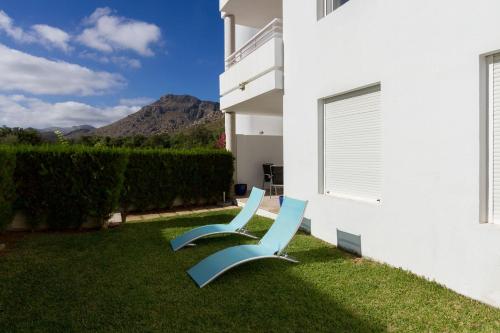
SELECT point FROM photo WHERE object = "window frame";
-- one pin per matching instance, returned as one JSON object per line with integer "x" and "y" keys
{"x": 326, "y": 7}
{"x": 489, "y": 210}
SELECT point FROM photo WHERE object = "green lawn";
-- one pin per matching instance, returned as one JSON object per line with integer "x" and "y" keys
{"x": 128, "y": 280}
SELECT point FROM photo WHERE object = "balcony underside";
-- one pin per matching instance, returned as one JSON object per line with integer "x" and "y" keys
{"x": 252, "y": 13}
{"x": 269, "y": 103}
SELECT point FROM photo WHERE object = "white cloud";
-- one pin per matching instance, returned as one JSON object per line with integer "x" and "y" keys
{"x": 108, "y": 33}
{"x": 103, "y": 31}
{"x": 126, "y": 62}
{"x": 24, "y": 72}
{"x": 121, "y": 61}
{"x": 95, "y": 57}
{"x": 52, "y": 36}
{"x": 96, "y": 15}
{"x": 18, "y": 34}
{"x": 22, "y": 111}
{"x": 136, "y": 101}
{"x": 43, "y": 34}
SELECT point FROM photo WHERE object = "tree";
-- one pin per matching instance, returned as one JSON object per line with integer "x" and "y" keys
{"x": 17, "y": 135}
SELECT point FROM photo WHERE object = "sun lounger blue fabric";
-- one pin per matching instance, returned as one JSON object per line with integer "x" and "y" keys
{"x": 272, "y": 245}
{"x": 236, "y": 226}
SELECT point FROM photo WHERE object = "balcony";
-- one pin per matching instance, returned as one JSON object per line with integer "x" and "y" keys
{"x": 253, "y": 80}
{"x": 252, "y": 13}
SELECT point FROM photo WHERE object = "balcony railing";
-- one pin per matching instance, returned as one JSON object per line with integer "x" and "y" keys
{"x": 270, "y": 31}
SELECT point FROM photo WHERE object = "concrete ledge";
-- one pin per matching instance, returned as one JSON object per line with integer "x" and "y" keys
{"x": 153, "y": 216}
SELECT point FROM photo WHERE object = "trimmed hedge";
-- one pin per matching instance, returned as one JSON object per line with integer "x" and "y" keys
{"x": 7, "y": 186}
{"x": 155, "y": 178}
{"x": 64, "y": 186}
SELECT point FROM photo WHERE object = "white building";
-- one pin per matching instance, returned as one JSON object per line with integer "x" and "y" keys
{"x": 390, "y": 115}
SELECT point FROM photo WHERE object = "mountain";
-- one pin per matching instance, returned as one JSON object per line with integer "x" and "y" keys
{"x": 79, "y": 132}
{"x": 169, "y": 114}
{"x": 74, "y": 132}
{"x": 67, "y": 130}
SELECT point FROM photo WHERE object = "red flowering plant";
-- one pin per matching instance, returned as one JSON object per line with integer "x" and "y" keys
{"x": 221, "y": 141}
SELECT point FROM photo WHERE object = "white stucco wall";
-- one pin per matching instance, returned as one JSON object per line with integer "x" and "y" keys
{"x": 260, "y": 141}
{"x": 259, "y": 125}
{"x": 243, "y": 34}
{"x": 427, "y": 57}
{"x": 253, "y": 151}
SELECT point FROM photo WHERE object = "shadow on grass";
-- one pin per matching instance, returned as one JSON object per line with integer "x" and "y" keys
{"x": 263, "y": 295}
{"x": 128, "y": 279}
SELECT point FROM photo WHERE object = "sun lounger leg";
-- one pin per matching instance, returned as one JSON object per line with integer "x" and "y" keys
{"x": 245, "y": 232}
{"x": 288, "y": 258}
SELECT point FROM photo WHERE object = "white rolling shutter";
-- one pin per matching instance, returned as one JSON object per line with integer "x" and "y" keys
{"x": 494, "y": 137}
{"x": 352, "y": 146}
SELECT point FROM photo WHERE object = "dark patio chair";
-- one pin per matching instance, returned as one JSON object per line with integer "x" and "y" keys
{"x": 276, "y": 179}
{"x": 266, "y": 167}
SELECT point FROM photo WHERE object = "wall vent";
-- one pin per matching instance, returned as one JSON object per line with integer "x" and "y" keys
{"x": 349, "y": 242}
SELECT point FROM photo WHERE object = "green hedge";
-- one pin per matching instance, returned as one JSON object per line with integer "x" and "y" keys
{"x": 7, "y": 185}
{"x": 65, "y": 186}
{"x": 155, "y": 178}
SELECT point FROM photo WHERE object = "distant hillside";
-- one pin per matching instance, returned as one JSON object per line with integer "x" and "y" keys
{"x": 74, "y": 132}
{"x": 169, "y": 114}
{"x": 67, "y": 130}
{"x": 78, "y": 133}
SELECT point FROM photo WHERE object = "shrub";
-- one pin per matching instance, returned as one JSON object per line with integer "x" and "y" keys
{"x": 155, "y": 178}
{"x": 64, "y": 186}
{"x": 7, "y": 187}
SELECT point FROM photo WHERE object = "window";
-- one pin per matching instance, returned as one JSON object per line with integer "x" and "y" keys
{"x": 325, "y": 7}
{"x": 352, "y": 156}
{"x": 493, "y": 63}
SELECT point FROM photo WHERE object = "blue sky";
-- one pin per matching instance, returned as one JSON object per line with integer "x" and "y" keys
{"x": 66, "y": 63}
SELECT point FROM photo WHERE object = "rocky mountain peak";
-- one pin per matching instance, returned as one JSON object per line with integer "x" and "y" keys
{"x": 168, "y": 114}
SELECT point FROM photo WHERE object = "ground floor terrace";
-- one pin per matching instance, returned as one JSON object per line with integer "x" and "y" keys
{"x": 128, "y": 279}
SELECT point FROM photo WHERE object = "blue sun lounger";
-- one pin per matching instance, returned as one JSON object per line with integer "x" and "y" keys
{"x": 272, "y": 245}
{"x": 236, "y": 226}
